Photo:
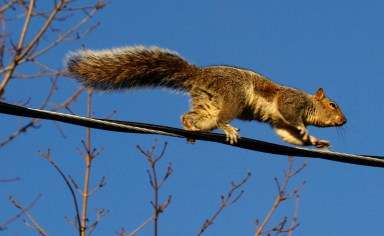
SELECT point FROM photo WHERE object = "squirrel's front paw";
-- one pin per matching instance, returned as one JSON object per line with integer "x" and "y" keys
{"x": 320, "y": 143}
{"x": 303, "y": 133}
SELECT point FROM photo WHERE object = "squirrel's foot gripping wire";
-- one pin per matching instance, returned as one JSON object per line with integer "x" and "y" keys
{"x": 230, "y": 132}
{"x": 320, "y": 143}
{"x": 191, "y": 127}
{"x": 303, "y": 133}
{"x": 312, "y": 140}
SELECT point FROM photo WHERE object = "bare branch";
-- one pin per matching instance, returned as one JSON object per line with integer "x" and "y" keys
{"x": 100, "y": 214}
{"x": 162, "y": 208}
{"x": 25, "y": 27}
{"x": 25, "y": 211}
{"x": 75, "y": 185}
{"x": 41, "y": 32}
{"x": 282, "y": 195}
{"x": 225, "y": 201}
{"x": 167, "y": 174}
{"x": 28, "y": 52}
{"x": 155, "y": 184}
{"x": 294, "y": 223}
{"x": 99, "y": 186}
{"x": 4, "y": 225}
{"x": 64, "y": 37}
{"x": 88, "y": 163}
{"x": 6, "y": 6}
{"x": 140, "y": 227}
{"x": 9, "y": 180}
{"x": 18, "y": 48}
{"x": 25, "y": 48}
{"x": 48, "y": 157}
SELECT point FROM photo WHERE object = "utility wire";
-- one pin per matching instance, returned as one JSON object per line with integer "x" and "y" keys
{"x": 245, "y": 143}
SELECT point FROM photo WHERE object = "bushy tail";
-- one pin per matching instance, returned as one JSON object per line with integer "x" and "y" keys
{"x": 128, "y": 68}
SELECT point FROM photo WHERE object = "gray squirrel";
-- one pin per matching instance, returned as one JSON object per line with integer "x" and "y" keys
{"x": 219, "y": 94}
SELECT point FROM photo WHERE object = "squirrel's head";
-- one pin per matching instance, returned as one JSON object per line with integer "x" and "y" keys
{"x": 327, "y": 112}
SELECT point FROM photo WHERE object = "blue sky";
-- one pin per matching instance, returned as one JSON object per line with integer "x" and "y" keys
{"x": 336, "y": 45}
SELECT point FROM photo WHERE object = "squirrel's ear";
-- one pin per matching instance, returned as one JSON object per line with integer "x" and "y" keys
{"x": 320, "y": 94}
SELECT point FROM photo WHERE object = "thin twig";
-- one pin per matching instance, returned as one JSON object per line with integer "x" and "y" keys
{"x": 156, "y": 184}
{"x": 294, "y": 223}
{"x": 6, "y": 6}
{"x": 25, "y": 27}
{"x": 64, "y": 37}
{"x": 9, "y": 180}
{"x": 88, "y": 163}
{"x": 282, "y": 195}
{"x": 4, "y": 225}
{"x": 26, "y": 53}
{"x": 48, "y": 157}
{"x": 142, "y": 225}
{"x": 225, "y": 201}
{"x": 34, "y": 222}
{"x": 100, "y": 214}
{"x": 18, "y": 48}
{"x": 98, "y": 187}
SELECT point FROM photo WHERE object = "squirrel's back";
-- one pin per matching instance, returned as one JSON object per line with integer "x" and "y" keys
{"x": 130, "y": 67}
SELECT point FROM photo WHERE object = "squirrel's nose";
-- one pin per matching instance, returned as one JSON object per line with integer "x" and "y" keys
{"x": 342, "y": 120}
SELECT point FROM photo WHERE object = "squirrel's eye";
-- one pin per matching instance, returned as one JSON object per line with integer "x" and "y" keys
{"x": 333, "y": 105}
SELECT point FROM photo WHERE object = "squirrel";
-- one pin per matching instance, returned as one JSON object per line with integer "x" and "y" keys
{"x": 219, "y": 94}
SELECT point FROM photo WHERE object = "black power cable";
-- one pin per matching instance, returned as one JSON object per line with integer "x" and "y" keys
{"x": 245, "y": 143}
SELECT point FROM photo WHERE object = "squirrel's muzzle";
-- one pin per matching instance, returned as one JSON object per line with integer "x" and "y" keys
{"x": 340, "y": 120}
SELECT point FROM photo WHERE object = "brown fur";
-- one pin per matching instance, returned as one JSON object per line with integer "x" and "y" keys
{"x": 219, "y": 94}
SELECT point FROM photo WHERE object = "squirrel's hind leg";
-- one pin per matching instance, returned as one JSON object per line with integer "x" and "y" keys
{"x": 204, "y": 112}
{"x": 203, "y": 115}
{"x": 196, "y": 121}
